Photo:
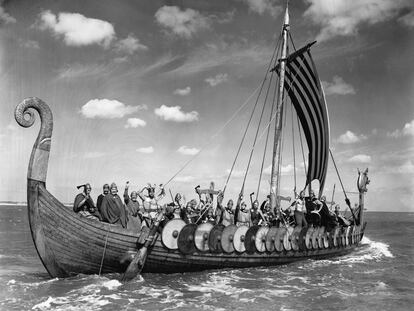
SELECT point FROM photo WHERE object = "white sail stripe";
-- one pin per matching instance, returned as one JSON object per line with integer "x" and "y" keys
{"x": 303, "y": 81}
{"x": 308, "y": 117}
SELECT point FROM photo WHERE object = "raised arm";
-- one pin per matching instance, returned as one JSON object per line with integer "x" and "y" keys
{"x": 126, "y": 195}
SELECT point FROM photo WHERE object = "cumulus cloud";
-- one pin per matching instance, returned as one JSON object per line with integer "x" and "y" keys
{"x": 407, "y": 130}
{"x": 183, "y": 92}
{"x": 360, "y": 158}
{"x": 183, "y": 23}
{"x": 337, "y": 86}
{"x": 343, "y": 17}
{"x": 77, "y": 29}
{"x": 146, "y": 150}
{"x": 217, "y": 79}
{"x": 349, "y": 138}
{"x": 5, "y": 18}
{"x": 107, "y": 109}
{"x": 264, "y": 6}
{"x": 175, "y": 114}
{"x": 135, "y": 122}
{"x": 130, "y": 45}
{"x": 187, "y": 150}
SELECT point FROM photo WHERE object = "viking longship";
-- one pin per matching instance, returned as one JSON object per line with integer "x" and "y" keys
{"x": 69, "y": 244}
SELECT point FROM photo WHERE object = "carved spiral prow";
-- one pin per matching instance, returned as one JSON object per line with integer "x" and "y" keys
{"x": 25, "y": 116}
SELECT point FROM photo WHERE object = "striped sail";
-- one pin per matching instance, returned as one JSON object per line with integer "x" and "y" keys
{"x": 305, "y": 91}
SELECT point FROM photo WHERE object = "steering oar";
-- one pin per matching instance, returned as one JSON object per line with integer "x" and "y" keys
{"x": 137, "y": 264}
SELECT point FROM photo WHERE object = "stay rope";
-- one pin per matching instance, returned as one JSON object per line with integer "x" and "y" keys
{"x": 267, "y": 140}
{"x": 342, "y": 185}
{"x": 213, "y": 136}
{"x": 250, "y": 119}
{"x": 104, "y": 250}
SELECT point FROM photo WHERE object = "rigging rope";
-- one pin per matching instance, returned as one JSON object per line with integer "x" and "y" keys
{"x": 213, "y": 136}
{"x": 293, "y": 149}
{"x": 250, "y": 119}
{"x": 267, "y": 140}
{"x": 258, "y": 128}
{"x": 342, "y": 185}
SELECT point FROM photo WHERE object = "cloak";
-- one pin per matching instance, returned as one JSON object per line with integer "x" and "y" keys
{"x": 113, "y": 210}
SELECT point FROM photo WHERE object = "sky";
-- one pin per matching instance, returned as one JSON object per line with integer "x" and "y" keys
{"x": 137, "y": 88}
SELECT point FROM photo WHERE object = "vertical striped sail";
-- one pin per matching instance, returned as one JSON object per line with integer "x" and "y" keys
{"x": 305, "y": 91}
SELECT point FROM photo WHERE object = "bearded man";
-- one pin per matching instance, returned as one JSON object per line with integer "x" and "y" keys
{"x": 112, "y": 208}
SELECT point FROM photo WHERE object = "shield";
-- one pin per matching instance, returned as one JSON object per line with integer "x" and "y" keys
{"x": 336, "y": 237}
{"x": 201, "y": 236}
{"x": 227, "y": 238}
{"x": 238, "y": 240}
{"x": 186, "y": 239}
{"x": 321, "y": 232}
{"x": 287, "y": 237}
{"x": 279, "y": 239}
{"x": 294, "y": 239}
{"x": 214, "y": 239}
{"x": 270, "y": 239}
{"x": 301, "y": 240}
{"x": 250, "y": 239}
{"x": 260, "y": 239}
{"x": 346, "y": 235}
{"x": 314, "y": 238}
{"x": 349, "y": 234}
{"x": 308, "y": 237}
{"x": 169, "y": 235}
{"x": 343, "y": 237}
{"x": 325, "y": 240}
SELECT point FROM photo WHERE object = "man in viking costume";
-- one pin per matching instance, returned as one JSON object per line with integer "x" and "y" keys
{"x": 242, "y": 215}
{"x": 105, "y": 191}
{"x": 224, "y": 215}
{"x": 113, "y": 210}
{"x": 132, "y": 207}
{"x": 84, "y": 204}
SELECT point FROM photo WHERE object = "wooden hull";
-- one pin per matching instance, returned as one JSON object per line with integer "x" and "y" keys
{"x": 70, "y": 244}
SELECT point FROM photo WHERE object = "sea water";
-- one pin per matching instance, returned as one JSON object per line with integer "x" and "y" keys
{"x": 378, "y": 275}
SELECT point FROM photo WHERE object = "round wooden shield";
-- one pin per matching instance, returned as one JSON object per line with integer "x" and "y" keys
{"x": 227, "y": 238}
{"x": 270, "y": 239}
{"x": 308, "y": 237}
{"x": 294, "y": 238}
{"x": 349, "y": 234}
{"x": 279, "y": 239}
{"x": 186, "y": 239}
{"x": 238, "y": 239}
{"x": 336, "y": 237}
{"x": 201, "y": 236}
{"x": 343, "y": 237}
{"x": 170, "y": 232}
{"x": 214, "y": 239}
{"x": 321, "y": 232}
{"x": 325, "y": 240}
{"x": 346, "y": 234}
{"x": 302, "y": 235}
{"x": 314, "y": 238}
{"x": 287, "y": 237}
{"x": 250, "y": 239}
{"x": 260, "y": 239}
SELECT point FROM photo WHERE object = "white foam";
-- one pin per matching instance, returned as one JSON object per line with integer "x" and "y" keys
{"x": 111, "y": 284}
{"x": 380, "y": 249}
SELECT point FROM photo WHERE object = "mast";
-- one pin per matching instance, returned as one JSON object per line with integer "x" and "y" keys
{"x": 274, "y": 189}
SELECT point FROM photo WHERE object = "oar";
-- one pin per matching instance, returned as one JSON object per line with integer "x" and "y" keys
{"x": 136, "y": 265}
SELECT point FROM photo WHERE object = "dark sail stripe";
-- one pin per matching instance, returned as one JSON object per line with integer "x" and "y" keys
{"x": 305, "y": 91}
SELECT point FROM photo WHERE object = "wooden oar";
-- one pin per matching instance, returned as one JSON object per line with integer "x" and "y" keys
{"x": 137, "y": 264}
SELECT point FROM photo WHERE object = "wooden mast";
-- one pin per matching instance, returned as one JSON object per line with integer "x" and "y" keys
{"x": 274, "y": 195}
